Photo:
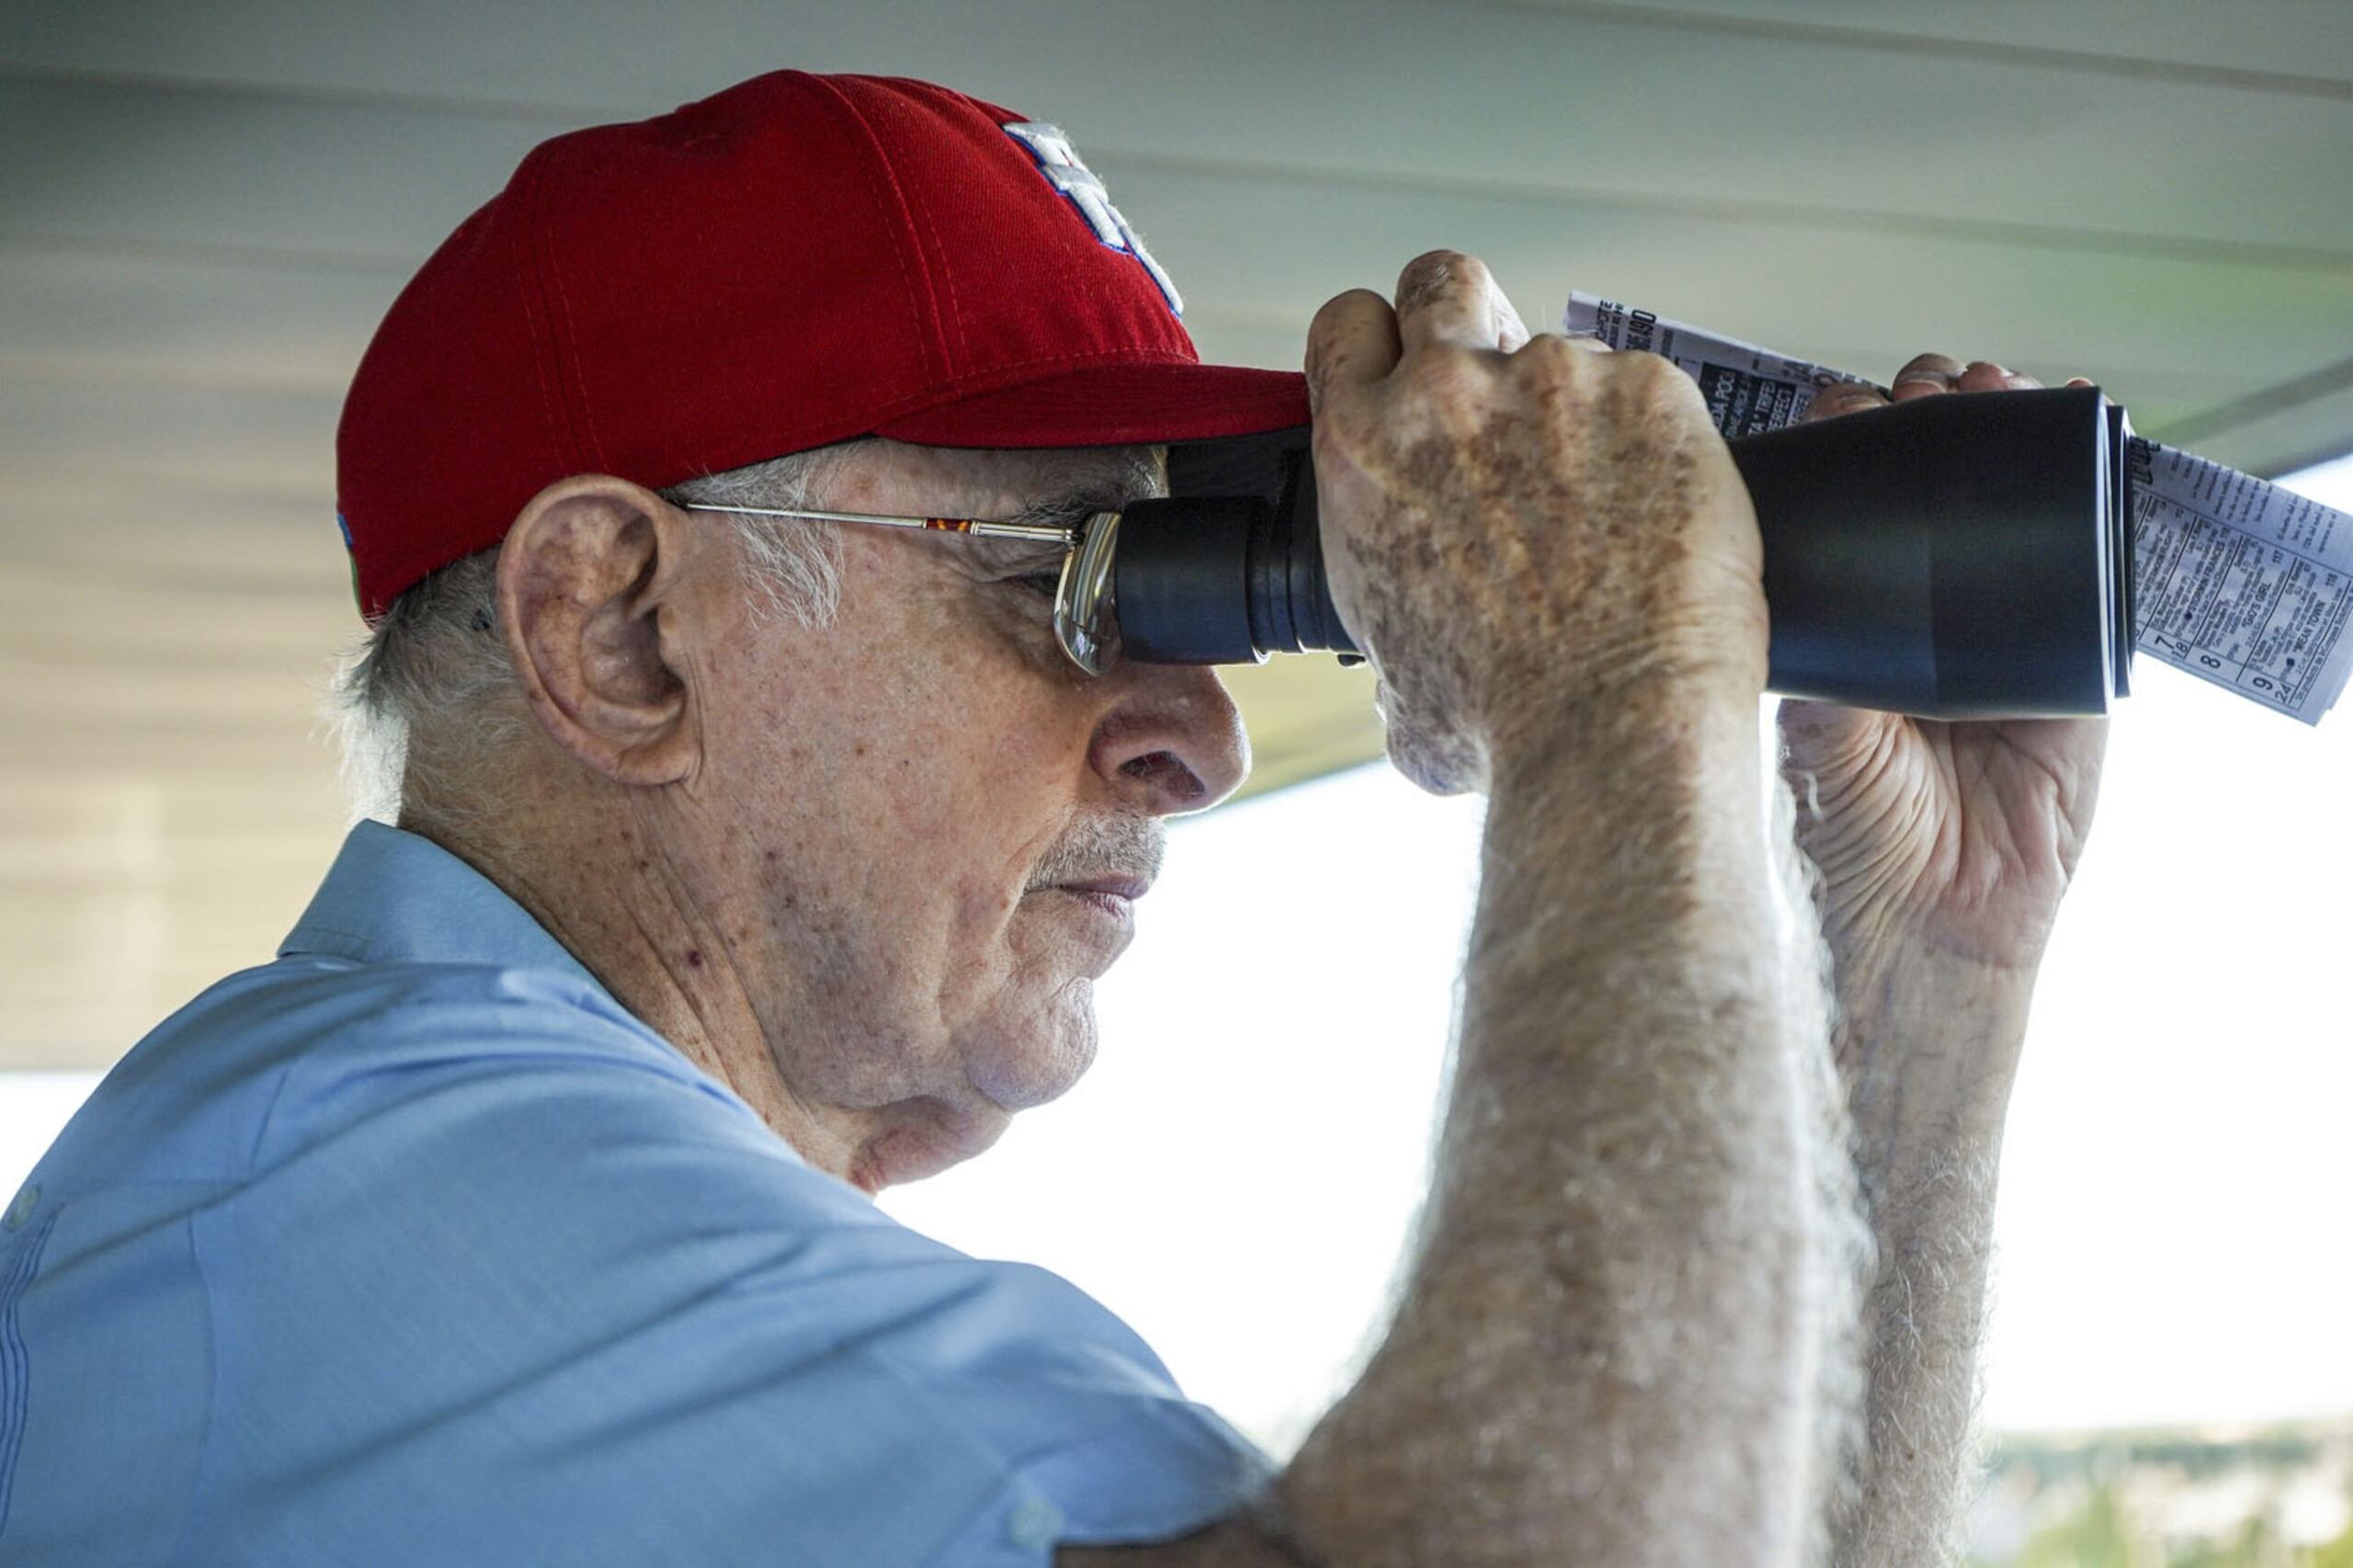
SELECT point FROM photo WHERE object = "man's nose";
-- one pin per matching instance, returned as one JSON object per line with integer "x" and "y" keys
{"x": 1175, "y": 743}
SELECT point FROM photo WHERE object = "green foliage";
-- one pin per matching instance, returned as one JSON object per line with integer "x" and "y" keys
{"x": 2337, "y": 1553}
{"x": 2257, "y": 1547}
{"x": 2094, "y": 1538}
{"x": 2105, "y": 1502}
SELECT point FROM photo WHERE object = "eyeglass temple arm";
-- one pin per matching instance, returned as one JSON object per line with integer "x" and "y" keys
{"x": 982, "y": 527}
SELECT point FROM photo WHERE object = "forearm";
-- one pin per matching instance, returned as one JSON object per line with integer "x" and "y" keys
{"x": 1611, "y": 1346}
{"x": 1928, "y": 1042}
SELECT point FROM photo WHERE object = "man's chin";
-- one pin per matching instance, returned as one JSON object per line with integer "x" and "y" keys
{"x": 1020, "y": 1069}
{"x": 1007, "y": 1068}
{"x": 922, "y": 1140}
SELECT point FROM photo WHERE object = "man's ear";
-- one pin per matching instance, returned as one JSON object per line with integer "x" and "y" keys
{"x": 586, "y": 573}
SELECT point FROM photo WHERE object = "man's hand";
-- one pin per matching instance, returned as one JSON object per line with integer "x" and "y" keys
{"x": 1943, "y": 849}
{"x": 1957, "y": 838}
{"x": 1625, "y": 1335}
{"x": 1518, "y": 526}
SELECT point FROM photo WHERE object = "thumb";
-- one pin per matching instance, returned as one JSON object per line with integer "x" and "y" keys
{"x": 1827, "y": 738}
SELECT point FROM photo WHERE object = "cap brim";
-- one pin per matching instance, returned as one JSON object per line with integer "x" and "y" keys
{"x": 1114, "y": 406}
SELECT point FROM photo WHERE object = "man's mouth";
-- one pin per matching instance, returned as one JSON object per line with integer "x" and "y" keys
{"x": 1125, "y": 889}
{"x": 1112, "y": 896}
{"x": 1102, "y": 866}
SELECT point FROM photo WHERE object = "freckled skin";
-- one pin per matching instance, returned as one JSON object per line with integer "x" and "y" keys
{"x": 1606, "y": 1350}
{"x": 1587, "y": 575}
{"x": 830, "y": 904}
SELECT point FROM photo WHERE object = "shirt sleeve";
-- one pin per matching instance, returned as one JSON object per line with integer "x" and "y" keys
{"x": 542, "y": 1302}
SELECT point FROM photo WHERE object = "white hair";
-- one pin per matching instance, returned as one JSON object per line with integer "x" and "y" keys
{"x": 429, "y": 709}
{"x": 426, "y": 704}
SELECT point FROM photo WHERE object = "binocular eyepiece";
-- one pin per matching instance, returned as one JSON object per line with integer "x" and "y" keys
{"x": 1949, "y": 557}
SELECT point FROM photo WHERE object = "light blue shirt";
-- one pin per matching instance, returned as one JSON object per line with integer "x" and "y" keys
{"x": 412, "y": 1247}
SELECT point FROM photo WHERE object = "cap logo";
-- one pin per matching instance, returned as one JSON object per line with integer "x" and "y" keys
{"x": 1082, "y": 188}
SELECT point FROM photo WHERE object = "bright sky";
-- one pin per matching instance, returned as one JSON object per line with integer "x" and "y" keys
{"x": 1237, "y": 1174}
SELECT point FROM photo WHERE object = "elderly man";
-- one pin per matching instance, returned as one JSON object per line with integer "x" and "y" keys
{"x": 749, "y": 863}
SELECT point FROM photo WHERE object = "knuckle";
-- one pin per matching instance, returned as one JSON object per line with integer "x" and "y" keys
{"x": 1930, "y": 367}
{"x": 1423, "y": 278}
{"x": 1355, "y": 299}
{"x": 1441, "y": 261}
{"x": 1341, "y": 308}
{"x": 1468, "y": 268}
{"x": 1843, "y": 397}
{"x": 1654, "y": 382}
{"x": 1448, "y": 376}
{"x": 1438, "y": 272}
{"x": 1561, "y": 377}
{"x": 1551, "y": 353}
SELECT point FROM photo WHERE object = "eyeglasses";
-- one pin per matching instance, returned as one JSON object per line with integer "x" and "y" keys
{"x": 1083, "y": 622}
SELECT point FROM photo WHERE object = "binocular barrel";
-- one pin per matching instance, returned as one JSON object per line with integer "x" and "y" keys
{"x": 1949, "y": 557}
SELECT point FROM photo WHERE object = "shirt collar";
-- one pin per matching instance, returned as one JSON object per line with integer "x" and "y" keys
{"x": 394, "y": 897}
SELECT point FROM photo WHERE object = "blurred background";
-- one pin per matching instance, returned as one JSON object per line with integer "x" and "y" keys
{"x": 204, "y": 212}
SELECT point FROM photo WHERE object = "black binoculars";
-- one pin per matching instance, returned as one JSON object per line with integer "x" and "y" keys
{"x": 1950, "y": 557}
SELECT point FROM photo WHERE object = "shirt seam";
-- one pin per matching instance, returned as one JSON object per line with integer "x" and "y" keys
{"x": 323, "y": 929}
{"x": 261, "y": 1134}
{"x": 1017, "y": 1471}
{"x": 16, "y": 1415}
{"x": 196, "y": 1492}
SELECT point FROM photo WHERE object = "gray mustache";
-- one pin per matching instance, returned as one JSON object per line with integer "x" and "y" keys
{"x": 1119, "y": 844}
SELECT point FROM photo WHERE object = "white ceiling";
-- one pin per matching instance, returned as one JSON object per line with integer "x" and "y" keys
{"x": 204, "y": 210}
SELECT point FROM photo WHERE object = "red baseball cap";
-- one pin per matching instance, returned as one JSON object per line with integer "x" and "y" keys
{"x": 795, "y": 261}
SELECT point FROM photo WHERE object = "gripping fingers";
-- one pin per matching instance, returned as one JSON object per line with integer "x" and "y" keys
{"x": 1932, "y": 373}
{"x": 1351, "y": 344}
{"x": 1847, "y": 397}
{"x": 1447, "y": 298}
{"x": 1985, "y": 376}
{"x": 1927, "y": 375}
